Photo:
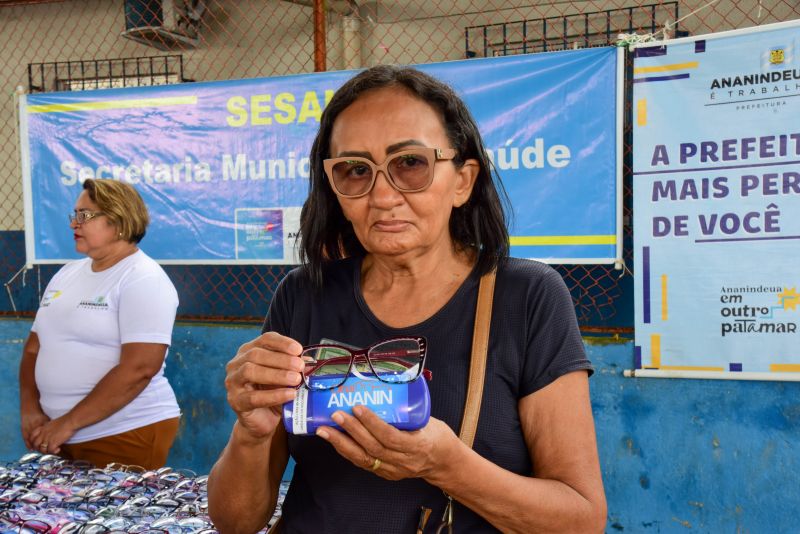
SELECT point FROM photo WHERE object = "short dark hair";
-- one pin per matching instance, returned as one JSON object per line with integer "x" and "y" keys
{"x": 479, "y": 224}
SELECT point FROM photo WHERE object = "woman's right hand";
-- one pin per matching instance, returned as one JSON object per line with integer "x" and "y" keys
{"x": 30, "y": 420}
{"x": 263, "y": 376}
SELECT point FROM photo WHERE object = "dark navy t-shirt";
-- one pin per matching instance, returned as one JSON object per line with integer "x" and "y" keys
{"x": 534, "y": 340}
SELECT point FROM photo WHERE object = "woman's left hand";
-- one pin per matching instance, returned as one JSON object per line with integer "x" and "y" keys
{"x": 372, "y": 444}
{"x": 49, "y": 437}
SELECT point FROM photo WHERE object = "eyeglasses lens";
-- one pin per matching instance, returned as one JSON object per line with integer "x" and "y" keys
{"x": 326, "y": 367}
{"x": 396, "y": 361}
{"x": 9, "y": 518}
{"x": 408, "y": 172}
{"x": 352, "y": 177}
{"x": 94, "y": 528}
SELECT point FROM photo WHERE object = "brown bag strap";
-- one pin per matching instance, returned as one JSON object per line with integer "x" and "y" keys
{"x": 477, "y": 374}
{"x": 477, "y": 366}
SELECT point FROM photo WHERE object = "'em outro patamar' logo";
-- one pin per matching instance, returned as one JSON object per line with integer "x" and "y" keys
{"x": 759, "y": 310}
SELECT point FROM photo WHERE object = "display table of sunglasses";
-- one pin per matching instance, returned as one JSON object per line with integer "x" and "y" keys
{"x": 48, "y": 494}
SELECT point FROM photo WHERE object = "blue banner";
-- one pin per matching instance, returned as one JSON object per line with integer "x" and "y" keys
{"x": 717, "y": 203}
{"x": 223, "y": 166}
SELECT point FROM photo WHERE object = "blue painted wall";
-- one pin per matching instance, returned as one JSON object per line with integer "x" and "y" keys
{"x": 677, "y": 455}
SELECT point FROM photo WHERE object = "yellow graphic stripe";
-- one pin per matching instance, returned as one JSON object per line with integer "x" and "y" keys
{"x": 641, "y": 112}
{"x": 667, "y": 68}
{"x": 544, "y": 240}
{"x": 664, "y": 314}
{"x": 690, "y": 368}
{"x": 784, "y": 367}
{"x": 115, "y": 104}
{"x": 655, "y": 350}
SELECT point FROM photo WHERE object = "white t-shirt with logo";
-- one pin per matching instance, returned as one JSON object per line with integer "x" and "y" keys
{"x": 83, "y": 320}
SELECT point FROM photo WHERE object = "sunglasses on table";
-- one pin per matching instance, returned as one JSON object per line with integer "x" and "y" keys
{"x": 396, "y": 360}
{"x": 408, "y": 171}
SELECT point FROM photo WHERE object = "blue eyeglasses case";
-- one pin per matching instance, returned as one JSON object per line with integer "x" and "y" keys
{"x": 405, "y": 406}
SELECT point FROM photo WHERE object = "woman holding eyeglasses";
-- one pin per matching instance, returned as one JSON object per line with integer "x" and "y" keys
{"x": 92, "y": 383}
{"x": 401, "y": 221}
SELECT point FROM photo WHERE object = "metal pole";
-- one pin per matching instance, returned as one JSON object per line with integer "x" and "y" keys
{"x": 22, "y": 272}
{"x": 319, "y": 36}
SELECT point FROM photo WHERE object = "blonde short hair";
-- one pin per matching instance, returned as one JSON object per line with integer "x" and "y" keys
{"x": 123, "y": 206}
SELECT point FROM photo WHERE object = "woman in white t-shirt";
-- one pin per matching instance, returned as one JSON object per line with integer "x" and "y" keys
{"x": 92, "y": 383}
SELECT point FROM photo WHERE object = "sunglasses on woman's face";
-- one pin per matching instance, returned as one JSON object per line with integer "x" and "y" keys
{"x": 396, "y": 360}
{"x": 408, "y": 171}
